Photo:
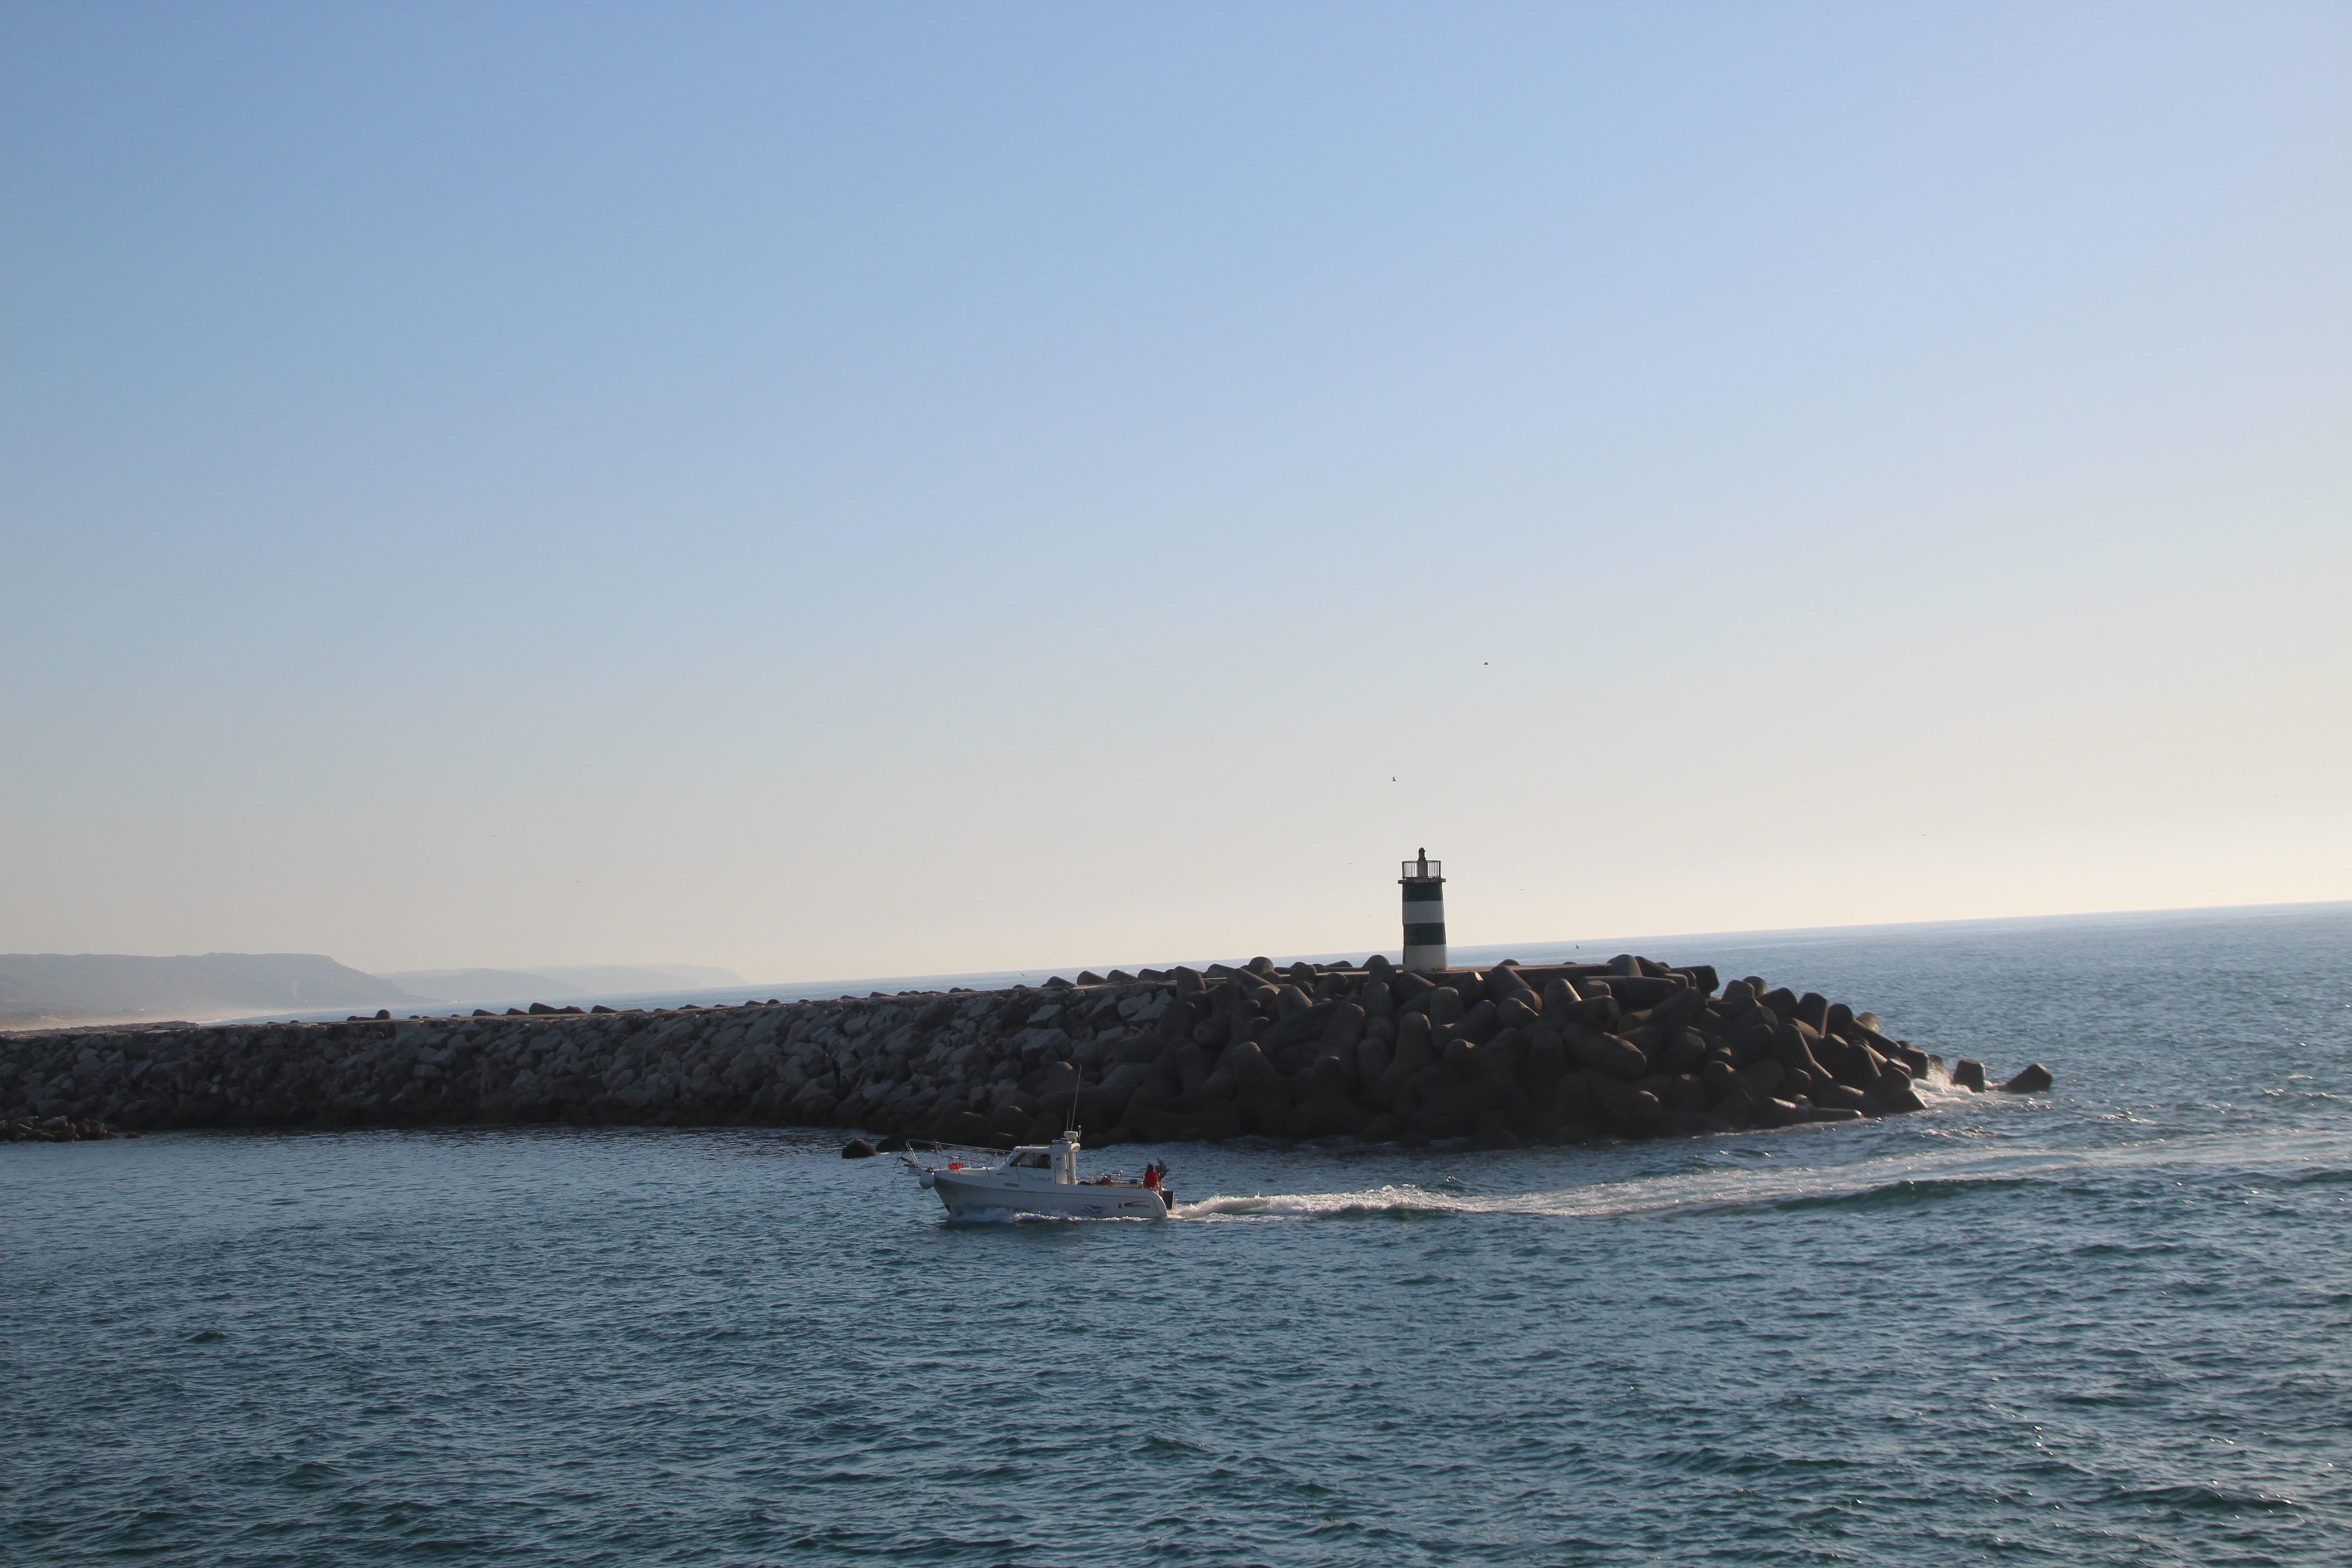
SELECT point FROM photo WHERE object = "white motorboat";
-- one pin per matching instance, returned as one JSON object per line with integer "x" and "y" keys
{"x": 1042, "y": 1178}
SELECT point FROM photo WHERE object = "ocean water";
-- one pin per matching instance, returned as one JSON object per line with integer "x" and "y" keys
{"x": 2112, "y": 1324}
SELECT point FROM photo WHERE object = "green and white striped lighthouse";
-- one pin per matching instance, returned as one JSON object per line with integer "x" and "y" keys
{"x": 1425, "y": 915}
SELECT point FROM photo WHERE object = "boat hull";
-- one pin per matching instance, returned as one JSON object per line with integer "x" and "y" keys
{"x": 1077, "y": 1200}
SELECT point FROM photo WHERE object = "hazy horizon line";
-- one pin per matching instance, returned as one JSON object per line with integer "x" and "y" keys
{"x": 1498, "y": 951}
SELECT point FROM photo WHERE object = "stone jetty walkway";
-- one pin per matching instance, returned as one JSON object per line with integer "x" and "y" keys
{"x": 1506, "y": 1056}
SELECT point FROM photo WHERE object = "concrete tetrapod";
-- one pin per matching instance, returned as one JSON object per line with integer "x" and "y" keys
{"x": 1511, "y": 1055}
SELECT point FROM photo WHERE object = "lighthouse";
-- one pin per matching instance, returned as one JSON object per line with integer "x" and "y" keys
{"x": 1424, "y": 914}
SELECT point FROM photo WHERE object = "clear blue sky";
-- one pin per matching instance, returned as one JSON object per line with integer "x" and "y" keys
{"x": 887, "y": 489}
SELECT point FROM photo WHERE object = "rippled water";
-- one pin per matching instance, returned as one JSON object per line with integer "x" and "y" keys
{"x": 2107, "y": 1325}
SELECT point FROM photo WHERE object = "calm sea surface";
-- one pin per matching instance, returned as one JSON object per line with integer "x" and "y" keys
{"x": 2111, "y": 1325}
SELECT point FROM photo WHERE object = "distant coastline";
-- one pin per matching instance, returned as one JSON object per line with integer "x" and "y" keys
{"x": 50, "y": 990}
{"x": 411, "y": 991}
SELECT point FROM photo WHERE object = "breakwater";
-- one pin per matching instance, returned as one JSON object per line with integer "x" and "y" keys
{"x": 1506, "y": 1056}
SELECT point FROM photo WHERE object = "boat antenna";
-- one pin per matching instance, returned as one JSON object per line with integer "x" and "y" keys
{"x": 1071, "y": 1125}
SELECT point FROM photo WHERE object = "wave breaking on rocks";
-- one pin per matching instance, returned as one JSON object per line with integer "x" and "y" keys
{"x": 1506, "y": 1056}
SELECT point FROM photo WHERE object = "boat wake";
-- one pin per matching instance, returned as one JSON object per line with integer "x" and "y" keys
{"x": 1912, "y": 1178}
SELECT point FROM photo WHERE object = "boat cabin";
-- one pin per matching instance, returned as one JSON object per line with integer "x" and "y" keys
{"x": 1060, "y": 1157}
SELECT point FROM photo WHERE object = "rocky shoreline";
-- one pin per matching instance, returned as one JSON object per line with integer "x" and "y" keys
{"x": 56, "y": 1129}
{"x": 1507, "y": 1056}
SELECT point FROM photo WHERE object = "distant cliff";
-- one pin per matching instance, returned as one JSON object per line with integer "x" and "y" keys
{"x": 558, "y": 982}
{"x": 57, "y": 987}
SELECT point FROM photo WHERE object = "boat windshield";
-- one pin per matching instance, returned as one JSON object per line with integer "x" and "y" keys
{"x": 1034, "y": 1161}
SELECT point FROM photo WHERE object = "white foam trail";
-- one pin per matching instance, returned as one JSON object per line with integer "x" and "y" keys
{"x": 1748, "y": 1187}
